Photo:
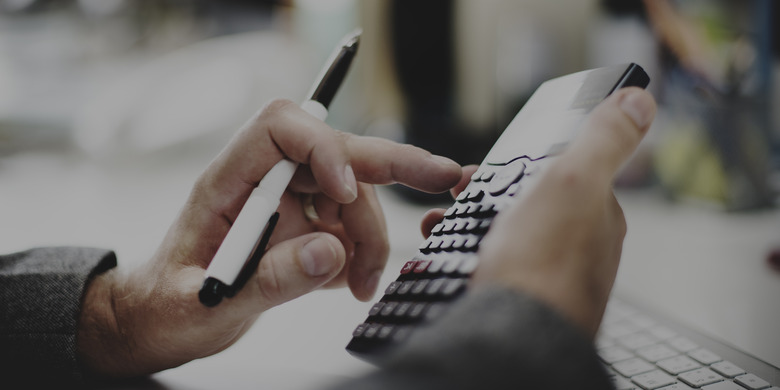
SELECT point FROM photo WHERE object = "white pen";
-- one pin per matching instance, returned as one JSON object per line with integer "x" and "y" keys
{"x": 243, "y": 246}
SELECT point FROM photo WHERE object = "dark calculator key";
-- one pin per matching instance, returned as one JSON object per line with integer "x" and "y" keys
{"x": 402, "y": 309}
{"x": 359, "y": 330}
{"x": 417, "y": 310}
{"x": 388, "y": 309}
{"x": 393, "y": 287}
{"x": 376, "y": 308}
{"x": 405, "y": 287}
{"x": 435, "y": 310}
{"x": 385, "y": 332}
{"x": 453, "y": 286}
{"x": 435, "y": 286}
{"x": 401, "y": 333}
{"x": 372, "y": 330}
{"x": 419, "y": 286}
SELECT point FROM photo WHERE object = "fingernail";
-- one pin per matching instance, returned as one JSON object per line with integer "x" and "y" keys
{"x": 638, "y": 107}
{"x": 372, "y": 282}
{"x": 317, "y": 257}
{"x": 350, "y": 182}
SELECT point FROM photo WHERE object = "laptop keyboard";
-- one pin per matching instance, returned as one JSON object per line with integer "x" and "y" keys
{"x": 641, "y": 353}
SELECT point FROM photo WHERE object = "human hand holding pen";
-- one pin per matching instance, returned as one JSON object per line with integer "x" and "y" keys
{"x": 148, "y": 319}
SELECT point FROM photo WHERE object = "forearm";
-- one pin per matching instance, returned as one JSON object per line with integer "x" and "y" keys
{"x": 494, "y": 339}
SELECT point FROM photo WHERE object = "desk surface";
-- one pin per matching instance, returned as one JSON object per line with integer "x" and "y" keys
{"x": 703, "y": 267}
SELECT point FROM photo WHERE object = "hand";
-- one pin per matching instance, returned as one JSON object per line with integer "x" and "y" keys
{"x": 149, "y": 319}
{"x": 562, "y": 242}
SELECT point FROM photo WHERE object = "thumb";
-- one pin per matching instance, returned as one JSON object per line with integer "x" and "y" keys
{"x": 612, "y": 132}
{"x": 292, "y": 268}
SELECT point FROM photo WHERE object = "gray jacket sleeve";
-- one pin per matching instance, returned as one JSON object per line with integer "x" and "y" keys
{"x": 40, "y": 295}
{"x": 493, "y": 339}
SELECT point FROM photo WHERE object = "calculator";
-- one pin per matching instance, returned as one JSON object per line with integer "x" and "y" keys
{"x": 438, "y": 273}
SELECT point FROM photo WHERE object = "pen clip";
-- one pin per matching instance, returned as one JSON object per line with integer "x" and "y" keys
{"x": 254, "y": 259}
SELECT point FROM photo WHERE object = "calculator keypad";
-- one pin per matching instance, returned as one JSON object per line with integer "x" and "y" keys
{"x": 439, "y": 272}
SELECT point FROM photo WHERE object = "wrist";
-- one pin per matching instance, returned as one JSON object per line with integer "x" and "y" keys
{"x": 102, "y": 346}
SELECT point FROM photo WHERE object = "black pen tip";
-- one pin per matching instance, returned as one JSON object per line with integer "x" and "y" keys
{"x": 211, "y": 292}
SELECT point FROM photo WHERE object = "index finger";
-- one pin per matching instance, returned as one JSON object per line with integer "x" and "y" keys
{"x": 612, "y": 132}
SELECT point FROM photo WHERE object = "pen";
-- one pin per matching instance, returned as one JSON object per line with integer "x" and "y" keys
{"x": 244, "y": 245}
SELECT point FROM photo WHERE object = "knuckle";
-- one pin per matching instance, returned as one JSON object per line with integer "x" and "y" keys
{"x": 276, "y": 107}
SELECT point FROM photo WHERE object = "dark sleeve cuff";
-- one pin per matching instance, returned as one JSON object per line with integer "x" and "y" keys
{"x": 40, "y": 297}
{"x": 494, "y": 338}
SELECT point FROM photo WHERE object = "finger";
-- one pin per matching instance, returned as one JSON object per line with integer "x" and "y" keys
{"x": 364, "y": 225}
{"x": 465, "y": 179}
{"x": 290, "y": 269}
{"x": 381, "y": 161}
{"x": 281, "y": 130}
{"x": 431, "y": 219}
{"x": 611, "y": 133}
{"x": 327, "y": 209}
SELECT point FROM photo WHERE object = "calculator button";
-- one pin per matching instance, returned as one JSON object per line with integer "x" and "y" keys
{"x": 372, "y": 330}
{"x": 475, "y": 196}
{"x": 388, "y": 309}
{"x": 463, "y": 196}
{"x": 402, "y": 309}
{"x": 727, "y": 368}
{"x": 422, "y": 265}
{"x": 653, "y": 380}
{"x": 450, "y": 266}
{"x": 408, "y": 267}
{"x": 435, "y": 266}
{"x": 417, "y": 310}
{"x": 752, "y": 382}
{"x": 457, "y": 244}
{"x": 507, "y": 176}
{"x": 700, "y": 377}
{"x": 393, "y": 287}
{"x": 405, "y": 287}
{"x": 385, "y": 332}
{"x": 359, "y": 330}
{"x": 435, "y": 311}
{"x": 419, "y": 286}
{"x": 487, "y": 176}
{"x": 620, "y": 383}
{"x": 468, "y": 265}
{"x": 376, "y": 308}
{"x": 435, "y": 286}
{"x": 437, "y": 230}
{"x": 401, "y": 333}
{"x": 453, "y": 286}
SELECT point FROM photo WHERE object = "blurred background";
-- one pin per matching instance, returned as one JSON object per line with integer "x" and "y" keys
{"x": 108, "y": 79}
{"x": 110, "y": 109}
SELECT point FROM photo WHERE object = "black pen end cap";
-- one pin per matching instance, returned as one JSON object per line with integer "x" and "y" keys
{"x": 211, "y": 292}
